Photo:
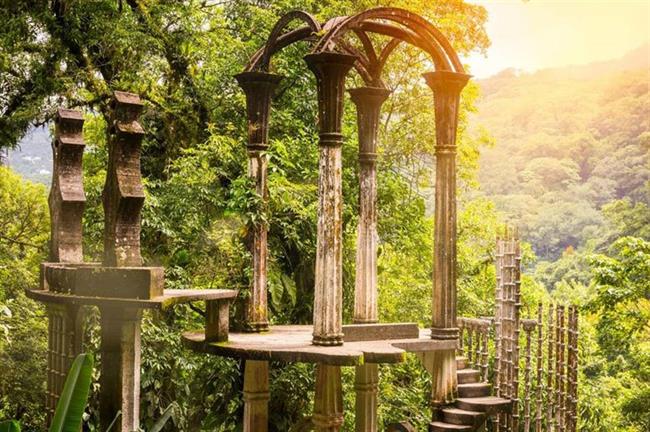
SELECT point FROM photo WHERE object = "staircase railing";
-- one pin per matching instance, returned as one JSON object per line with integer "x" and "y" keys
{"x": 539, "y": 352}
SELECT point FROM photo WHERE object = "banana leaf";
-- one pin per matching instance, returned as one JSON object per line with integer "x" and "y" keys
{"x": 74, "y": 397}
{"x": 9, "y": 426}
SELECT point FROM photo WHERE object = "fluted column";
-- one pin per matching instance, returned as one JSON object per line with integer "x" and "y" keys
{"x": 446, "y": 87}
{"x": 328, "y": 403}
{"x": 366, "y": 387}
{"x": 256, "y": 396}
{"x": 259, "y": 88}
{"x": 330, "y": 70}
{"x": 368, "y": 101}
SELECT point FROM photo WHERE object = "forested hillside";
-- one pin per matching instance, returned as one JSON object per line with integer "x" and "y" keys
{"x": 568, "y": 163}
{"x": 568, "y": 142}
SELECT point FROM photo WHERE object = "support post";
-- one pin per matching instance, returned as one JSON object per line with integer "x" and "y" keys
{"x": 123, "y": 198}
{"x": 366, "y": 381}
{"x": 259, "y": 88}
{"x": 330, "y": 70}
{"x": 328, "y": 402}
{"x": 120, "y": 375}
{"x": 446, "y": 87}
{"x": 217, "y": 320}
{"x": 256, "y": 396}
{"x": 368, "y": 101}
{"x": 66, "y": 201}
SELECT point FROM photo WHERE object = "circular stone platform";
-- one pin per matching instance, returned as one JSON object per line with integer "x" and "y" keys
{"x": 293, "y": 343}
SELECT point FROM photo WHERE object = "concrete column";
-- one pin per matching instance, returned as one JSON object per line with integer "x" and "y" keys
{"x": 66, "y": 201}
{"x": 330, "y": 70}
{"x": 120, "y": 368}
{"x": 446, "y": 87}
{"x": 368, "y": 101}
{"x": 328, "y": 403}
{"x": 256, "y": 396}
{"x": 366, "y": 381}
{"x": 259, "y": 88}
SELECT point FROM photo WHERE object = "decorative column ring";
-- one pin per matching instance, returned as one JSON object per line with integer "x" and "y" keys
{"x": 259, "y": 88}
{"x": 368, "y": 101}
{"x": 330, "y": 70}
{"x": 446, "y": 86}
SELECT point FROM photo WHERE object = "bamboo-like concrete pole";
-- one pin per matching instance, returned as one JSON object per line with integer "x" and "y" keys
{"x": 539, "y": 368}
{"x": 484, "y": 353}
{"x": 516, "y": 286}
{"x": 574, "y": 327}
{"x": 529, "y": 326}
{"x": 446, "y": 87}
{"x": 550, "y": 392}
{"x": 498, "y": 330}
{"x": 563, "y": 372}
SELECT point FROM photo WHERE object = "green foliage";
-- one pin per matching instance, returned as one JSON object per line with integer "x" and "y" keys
{"x": 24, "y": 231}
{"x": 622, "y": 299}
{"x": 74, "y": 396}
{"x": 568, "y": 166}
{"x": 9, "y": 426}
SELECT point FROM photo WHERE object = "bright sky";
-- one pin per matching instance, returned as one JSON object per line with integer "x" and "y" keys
{"x": 537, "y": 34}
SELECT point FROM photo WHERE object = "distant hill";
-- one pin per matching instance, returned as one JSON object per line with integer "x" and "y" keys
{"x": 568, "y": 141}
{"x": 33, "y": 156}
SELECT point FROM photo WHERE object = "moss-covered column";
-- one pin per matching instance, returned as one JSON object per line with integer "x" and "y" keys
{"x": 330, "y": 70}
{"x": 446, "y": 87}
{"x": 368, "y": 101}
{"x": 259, "y": 88}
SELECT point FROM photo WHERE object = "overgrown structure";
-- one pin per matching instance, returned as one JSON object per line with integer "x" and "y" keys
{"x": 120, "y": 286}
{"x": 461, "y": 394}
{"x": 337, "y": 46}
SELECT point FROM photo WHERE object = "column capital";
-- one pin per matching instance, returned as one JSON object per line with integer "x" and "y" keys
{"x": 327, "y": 62}
{"x": 330, "y": 69}
{"x": 446, "y": 81}
{"x": 373, "y": 96}
{"x": 259, "y": 88}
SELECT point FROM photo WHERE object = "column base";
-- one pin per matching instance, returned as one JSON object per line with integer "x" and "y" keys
{"x": 444, "y": 333}
{"x": 334, "y": 340}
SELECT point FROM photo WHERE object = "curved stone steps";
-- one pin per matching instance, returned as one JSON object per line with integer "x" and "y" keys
{"x": 489, "y": 405}
{"x": 473, "y": 390}
{"x": 468, "y": 376}
{"x": 437, "y": 426}
{"x": 461, "y": 417}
